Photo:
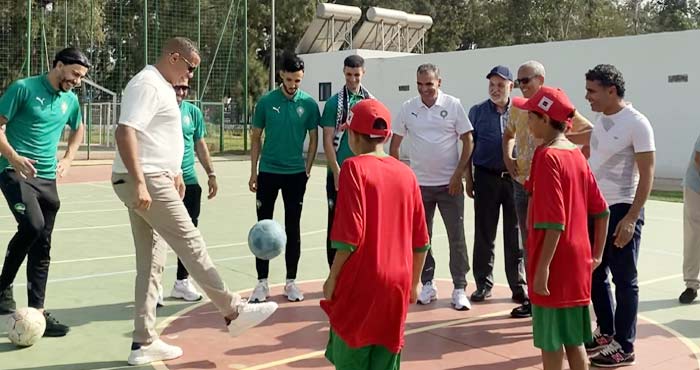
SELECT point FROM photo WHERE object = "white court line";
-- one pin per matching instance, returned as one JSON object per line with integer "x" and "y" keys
{"x": 170, "y": 251}
{"x": 107, "y": 274}
{"x": 658, "y": 280}
{"x": 75, "y": 228}
{"x": 79, "y": 212}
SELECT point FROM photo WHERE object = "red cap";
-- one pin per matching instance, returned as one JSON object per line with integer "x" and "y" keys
{"x": 550, "y": 101}
{"x": 370, "y": 117}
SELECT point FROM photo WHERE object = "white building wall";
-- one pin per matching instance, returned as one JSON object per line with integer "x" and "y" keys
{"x": 645, "y": 61}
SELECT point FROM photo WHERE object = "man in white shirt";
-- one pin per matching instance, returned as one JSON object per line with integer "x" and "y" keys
{"x": 622, "y": 159}
{"x": 435, "y": 124}
{"x": 147, "y": 177}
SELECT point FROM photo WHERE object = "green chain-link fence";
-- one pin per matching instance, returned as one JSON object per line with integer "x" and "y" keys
{"x": 120, "y": 37}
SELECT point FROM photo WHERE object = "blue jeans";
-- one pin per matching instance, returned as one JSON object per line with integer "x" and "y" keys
{"x": 620, "y": 321}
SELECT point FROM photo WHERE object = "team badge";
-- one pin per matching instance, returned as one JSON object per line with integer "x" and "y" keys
{"x": 443, "y": 114}
{"x": 545, "y": 103}
{"x": 64, "y": 107}
{"x": 300, "y": 111}
{"x": 20, "y": 208}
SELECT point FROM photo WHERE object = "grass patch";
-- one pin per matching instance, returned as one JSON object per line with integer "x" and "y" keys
{"x": 667, "y": 196}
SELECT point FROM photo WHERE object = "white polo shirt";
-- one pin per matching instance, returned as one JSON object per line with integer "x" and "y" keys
{"x": 433, "y": 134}
{"x": 149, "y": 105}
{"x": 614, "y": 142}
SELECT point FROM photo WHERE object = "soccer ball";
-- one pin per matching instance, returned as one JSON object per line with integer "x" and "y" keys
{"x": 25, "y": 326}
{"x": 267, "y": 239}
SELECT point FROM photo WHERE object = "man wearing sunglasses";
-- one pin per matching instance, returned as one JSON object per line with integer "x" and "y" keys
{"x": 518, "y": 141}
{"x": 193, "y": 130}
{"x": 34, "y": 112}
{"x": 147, "y": 177}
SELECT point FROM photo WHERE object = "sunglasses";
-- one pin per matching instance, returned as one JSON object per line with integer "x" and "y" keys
{"x": 190, "y": 66}
{"x": 524, "y": 80}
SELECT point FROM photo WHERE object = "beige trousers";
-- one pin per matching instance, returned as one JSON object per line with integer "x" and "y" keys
{"x": 166, "y": 223}
{"x": 691, "y": 238}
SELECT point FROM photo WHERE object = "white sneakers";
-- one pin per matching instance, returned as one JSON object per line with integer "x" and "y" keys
{"x": 428, "y": 293}
{"x": 160, "y": 302}
{"x": 460, "y": 301}
{"x": 250, "y": 315}
{"x": 156, "y": 351}
{"x": 184, "y": 289}
{"x": 261, "y": 292}
{"x": 292, "y": 292}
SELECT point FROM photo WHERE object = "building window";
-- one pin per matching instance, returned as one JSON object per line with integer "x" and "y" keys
{"x": 324, "y": 91}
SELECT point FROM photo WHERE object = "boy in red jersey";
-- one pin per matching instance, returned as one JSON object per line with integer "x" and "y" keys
{"x": 381, "y": 238}
{"x": 564, "y": 195}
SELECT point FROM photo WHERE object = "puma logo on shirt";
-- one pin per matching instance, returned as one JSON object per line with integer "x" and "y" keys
{"x": 40, "y": 100}
{"x": 276, "y": 109}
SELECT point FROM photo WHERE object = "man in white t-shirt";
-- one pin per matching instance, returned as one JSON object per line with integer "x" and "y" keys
{"x": 147, "y": 177}
{"x": 435, "y": 124}
{"x": 622, "y": 159}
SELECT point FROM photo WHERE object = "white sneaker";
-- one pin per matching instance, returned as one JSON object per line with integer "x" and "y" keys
{"x": 428, "y": 293}
{"x": 160, "y": 303}
{"x": 460, "y": 300}
{"x": 261, "y": 292}
{"x": 292, "y": 292}
{"x": 250, "y": 315}
{"x": 156, "y": 351}
{"x": 184, "y": 289}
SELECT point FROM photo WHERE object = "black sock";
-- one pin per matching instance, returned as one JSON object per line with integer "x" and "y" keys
{"x": 135, "y": 346}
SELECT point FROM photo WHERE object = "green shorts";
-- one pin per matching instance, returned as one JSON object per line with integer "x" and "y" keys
{"x": 553, "y": 328}
{"x": 363, "y": 358}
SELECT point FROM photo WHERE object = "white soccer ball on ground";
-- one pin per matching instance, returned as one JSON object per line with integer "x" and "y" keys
{"x": 25, "y": 326}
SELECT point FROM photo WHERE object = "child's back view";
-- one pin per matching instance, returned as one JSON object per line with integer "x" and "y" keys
{"x": 381, "y": 238}
{"x": 560, "y": 260}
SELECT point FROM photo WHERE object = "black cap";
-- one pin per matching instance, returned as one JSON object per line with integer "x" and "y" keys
{"x": 71, "y": 55}
{"x": 502, "y": 71}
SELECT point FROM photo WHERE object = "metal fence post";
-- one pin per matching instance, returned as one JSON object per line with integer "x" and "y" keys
{"x": 221, "y": 130}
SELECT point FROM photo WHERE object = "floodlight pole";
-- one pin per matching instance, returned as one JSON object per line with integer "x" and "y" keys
{"x": 245, "y": 74}
{"x": 29, "y": 37}
{"x": 272, "y": 55}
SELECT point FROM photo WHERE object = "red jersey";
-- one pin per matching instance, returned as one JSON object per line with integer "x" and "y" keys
{"x": 564, "y": 195}
{"x": 380, "y": 213}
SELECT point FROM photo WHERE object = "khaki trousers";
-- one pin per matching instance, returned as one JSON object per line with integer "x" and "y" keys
{"x": 691, "y": 238}
{"x": 166, "y": 223}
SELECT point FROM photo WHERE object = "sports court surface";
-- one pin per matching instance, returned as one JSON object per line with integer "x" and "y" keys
{"x": 91, "y": 289}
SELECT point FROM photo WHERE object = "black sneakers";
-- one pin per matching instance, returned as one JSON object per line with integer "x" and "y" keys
{"x": 7, "y": 302}
{"x": 522, "y": 312}
{"x": 53, "y": 327}
{"x": 688, "y": 296}
{"x": 613, "y": 356}
{"x": 480, "y": 295}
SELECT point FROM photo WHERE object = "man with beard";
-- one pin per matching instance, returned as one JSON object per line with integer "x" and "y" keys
{"x": 286, "y": 115}
{"x": 492, "y": 188}
{"x": 335, "y": 142}
{"x": 34, "y": 111}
